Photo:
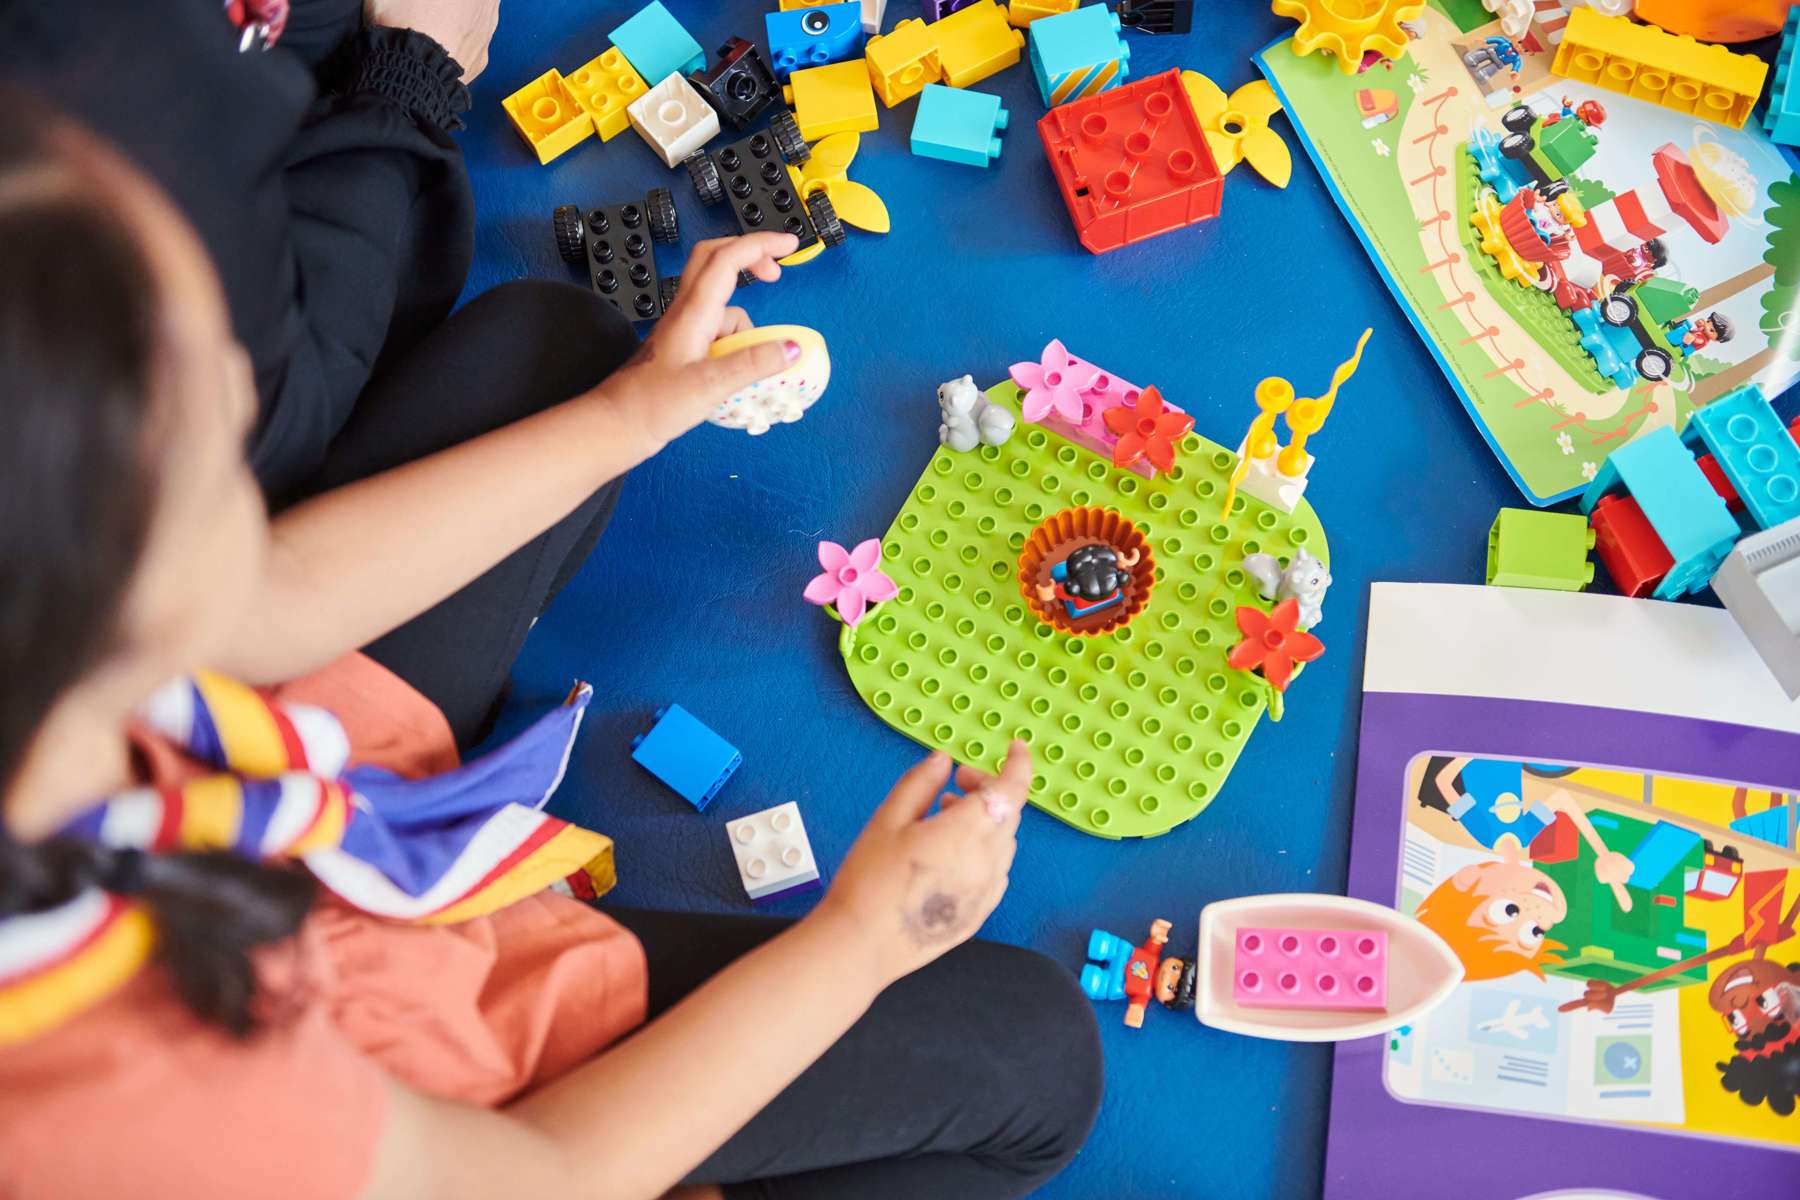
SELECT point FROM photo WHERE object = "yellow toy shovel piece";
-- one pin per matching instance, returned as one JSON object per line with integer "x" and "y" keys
{"x": 827, "y": 171}
{"x": 1237, "y": 126}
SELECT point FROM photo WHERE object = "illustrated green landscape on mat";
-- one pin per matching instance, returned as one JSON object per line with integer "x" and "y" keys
{"x": 1560, "y": 361}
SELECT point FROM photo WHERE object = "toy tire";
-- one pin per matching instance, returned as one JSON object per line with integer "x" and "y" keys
{"x": 788, "y": 142}
{"x": 1554, "y": 189}
{"x": 1654, "y": 365}
{"x": 704, "y": 174}
{"x": 667, "y": 290}
{"x": 571, "y": 237}
{"x": 1618, "y": 310}
{"x": 1516, "y": 145}
{"x": 825, "y": 219}
{"x": 665, "y": 225}
{"x": 1518, "y": 119}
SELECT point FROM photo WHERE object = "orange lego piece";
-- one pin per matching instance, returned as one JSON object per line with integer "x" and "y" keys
{"x": 549, "y": 119}
{"x": 1647, "y": 63}
{"x": 835, "y": 98}
{"x": 1717, "y": 20}
{"x": 976, "y": 42}
{"x": 604, "y": 87}
{"x": 1023, "y": 12}
{"x": 902, "y": 62}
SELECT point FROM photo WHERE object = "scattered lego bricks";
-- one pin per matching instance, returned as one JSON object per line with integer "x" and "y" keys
{"x": 1134, "y": 732}
{"x": 1078, "y": 54}
{"x": 872, "y": 11}
{"x": 1634, "y": 557}
{"x": 1750, "y": 448}
{"x": 613, "y": 244}
{"x": 1781, "y": 120}
{"x": 958, "y": 126}
{"x": 1689, "y": 518}
{"x": 657, "y": 45}
{"x": 1532, "y": 549}
{"x": 673, "y": 119}
{"x": 740, "y": 86}
{"x": 774, "y": 856}
{"x": 603, "y": 87}
{"x": 836, "y": 98}
{"x": 814, "y": 36}
{"x": 682, "y": 752}
{"x": 1647, "y": 63}
{"x": 752, "y": 172}
{"x": 1131, "y": 162}
{"x": 548, "y": 117}
{"x": 903, "y": 61}
{"x": 1310, "y": 968}
{"x": 976, "y": 41}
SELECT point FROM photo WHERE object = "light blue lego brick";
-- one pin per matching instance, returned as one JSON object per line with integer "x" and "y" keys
{"x": 682, "y": 752}
{"x": 1078, "y": 53}
{"x": 656, "y": 45}
{"x": 1755, "y": 451}
{"x": 958, "y": 125}
{"x": 1661, "y": 851}
{"x": 1690, "y": 518}
{"x": 812, "y": 37}
{"x": 1782, "y": 117}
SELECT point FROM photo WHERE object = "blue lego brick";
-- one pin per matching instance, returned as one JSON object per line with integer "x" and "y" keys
{"x": 958, "y": 125}
{"x": 686, "y": 755}
{"x": 656, "y": 45}
{"x": 1661, "y": 851}
{"x": 1690, "y": 518}
{"x": 812, "y": 37}
{"x": 1782, "y": 117}
{"x": 1078, "y": 53}
{"x": 1754, "y": 449}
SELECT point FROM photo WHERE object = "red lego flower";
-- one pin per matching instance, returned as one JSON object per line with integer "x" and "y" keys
{"x": 1146, "y": 429}
{"x": 1272, "y": 643}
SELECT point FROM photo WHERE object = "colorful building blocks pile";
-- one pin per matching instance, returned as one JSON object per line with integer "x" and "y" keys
{"x": 814, "y": 36}
{"x": 657, "y": 45}
{"x": 1070, "y": 396}
{"x": 1078, "y": 54}
{"x": 902, "y": 62}
{"x": 774, "y": 856}
{"x": 1757, "y": 457}
{"x": 873, "y": 11}
{"x": 682, "y": 752}
{"x": 1131, "y": 162}
{"x": 1781, "y": 120}
{"x": 554, "y": 113}
{"x": 1546, "y": 550}
{"x": 958, "y": 126}
{"x": 674, "y": 119}
{"x": 976, "y": 41}
{"x": 1627, "y": 545}
{"x": 1310, "y": 968}
{"x": 1759, "y": 583}
{"x": 1023, "y": 12}
{"x": 1650, "y": 64}
{"x": 1687, "y": 515}
{"x": 1349, "y": 32}
{"x": 835, "y": 98}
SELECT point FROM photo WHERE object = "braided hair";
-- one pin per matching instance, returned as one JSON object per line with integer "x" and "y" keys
{"x": 78, "y": 336}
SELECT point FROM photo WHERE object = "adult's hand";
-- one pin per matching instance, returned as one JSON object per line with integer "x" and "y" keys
{"x": 462, "y": 27}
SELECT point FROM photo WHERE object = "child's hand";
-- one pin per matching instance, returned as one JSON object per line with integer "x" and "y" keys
{"x": 914, "y": 886}
{"x": 1612, "y": 867}
{"x": 672, "y": 383}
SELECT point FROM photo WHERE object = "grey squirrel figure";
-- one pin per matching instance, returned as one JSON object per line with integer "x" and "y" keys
{"x": 1304, "y": 579}
{"x": 970, "y": 418}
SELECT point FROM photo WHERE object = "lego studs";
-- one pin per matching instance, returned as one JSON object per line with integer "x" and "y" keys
{"x": 1086, "y": 571}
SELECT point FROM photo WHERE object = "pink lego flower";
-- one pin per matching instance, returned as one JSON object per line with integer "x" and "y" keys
{"x": 852, "y": 579}
{"x": 1054, "y": 384}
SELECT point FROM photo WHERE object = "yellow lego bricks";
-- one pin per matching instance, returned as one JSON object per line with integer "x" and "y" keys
{"x": 604, "y": 87}
{"x": 902, "y": 62}
{"x": 835, "y": 98}
{"x": 1646, "y": 63}
{"x": 976, "y": 42}
{"x": 549, "y": 119}
{"x": 1023, "y": 12}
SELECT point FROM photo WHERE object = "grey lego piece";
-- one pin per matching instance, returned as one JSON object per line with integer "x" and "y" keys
{"x": 1759, "y": 583}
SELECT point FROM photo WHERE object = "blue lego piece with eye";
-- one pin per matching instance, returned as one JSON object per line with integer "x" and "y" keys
{"x": 811, "y": 37}
{"x": 957, "y": 125}
{"x": 657, "y": 45}
{"x": 682, "y": 752}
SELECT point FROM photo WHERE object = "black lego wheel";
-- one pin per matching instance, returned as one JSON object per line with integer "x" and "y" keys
{"x": 1518, "y": 119}
{"x": 665, "y": 226}
{"x": 786, "y": 132}
{"x": 745, "y": 279}
{"x": 825, "y": 219}
{"x": 1555, "y": 189}
{"x": 704, "y": 173}
{"x": 1654, "y": 364}
{"x": 667, "y": 289}
{"x": 571, "y": 238}
{"x": 1516, "y": 145}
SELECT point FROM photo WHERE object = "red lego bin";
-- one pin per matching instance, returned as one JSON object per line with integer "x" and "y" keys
{"x": 1131, "y": 162}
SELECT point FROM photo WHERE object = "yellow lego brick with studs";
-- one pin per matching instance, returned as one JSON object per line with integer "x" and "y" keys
{"x": 605, "y": 87}
{"x": 1647, "y": 63}
{"x": 976, "y": 42}
{"x": 835, "y": 98}
{"x": 548, "y": 117}
{"x": 1023, "y": 12}
{"x": 902, "y": 61}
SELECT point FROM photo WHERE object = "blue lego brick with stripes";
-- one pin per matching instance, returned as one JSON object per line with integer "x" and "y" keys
{"x": 1754, "y": 449}
{"x": 1078, "y": 53}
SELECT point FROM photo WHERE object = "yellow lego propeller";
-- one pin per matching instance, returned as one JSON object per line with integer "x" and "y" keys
{"x": 1237, "y": 126}
{"x": 827, "y": 171}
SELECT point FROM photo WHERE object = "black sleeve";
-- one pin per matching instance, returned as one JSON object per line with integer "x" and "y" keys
{"x": 334, "y": 203}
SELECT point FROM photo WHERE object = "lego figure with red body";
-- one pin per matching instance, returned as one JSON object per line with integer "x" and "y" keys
{"x": 1695, "y": 334}
{"x": 1117, "y": 970}
{"x": 1091, "y": 579}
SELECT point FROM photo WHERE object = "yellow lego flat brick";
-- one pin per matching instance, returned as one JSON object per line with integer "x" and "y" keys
{"x": 903, "y": 61}
{"x": 1650, "y": 64}
{"x": 604, "y": 87}
{"x": 1021, "y": 13}
{"x": 976, "y": 42}
{"x": 835, "y": 98}
{"x": 549, "y": 119}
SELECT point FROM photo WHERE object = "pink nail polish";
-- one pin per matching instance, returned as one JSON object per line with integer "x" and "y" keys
{"x": 791, "y": 349}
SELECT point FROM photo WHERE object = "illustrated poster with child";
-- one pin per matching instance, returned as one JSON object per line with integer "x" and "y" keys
{"x": 1622, "y": 888}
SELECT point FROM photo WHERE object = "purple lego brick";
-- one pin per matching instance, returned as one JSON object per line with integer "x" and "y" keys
{"x": 937, "y": 10}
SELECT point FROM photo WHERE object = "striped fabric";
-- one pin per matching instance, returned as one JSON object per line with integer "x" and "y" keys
{"x": 436, "y": 850}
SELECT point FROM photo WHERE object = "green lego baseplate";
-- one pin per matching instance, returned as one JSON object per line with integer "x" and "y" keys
{"x": 1133, "y": 732}
{"x": 1535, "y": 311}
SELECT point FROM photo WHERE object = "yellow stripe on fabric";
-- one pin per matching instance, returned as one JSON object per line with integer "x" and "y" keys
{"x": 247, "y": 730}
{"x": 212, "y": 812}
{"x": 44, "y": 1000}
{"x": 328, "y": 826}
{"x": 573, "y": 849}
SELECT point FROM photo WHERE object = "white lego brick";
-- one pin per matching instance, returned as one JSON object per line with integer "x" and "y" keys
{"x": 1266, "y": 482}
{"x": 772, "y": 852}
{"x": 674, "y": 119}
{"x": 1759, "y": 584}
{"x": 872, "y": 13}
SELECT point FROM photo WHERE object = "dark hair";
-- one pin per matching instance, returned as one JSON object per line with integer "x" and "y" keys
{"x": 1721, "y": 325}
{"x": 1772, "y": 1079}
{"x": 78, "y": 339}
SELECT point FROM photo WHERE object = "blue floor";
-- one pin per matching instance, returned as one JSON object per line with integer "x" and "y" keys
{"x": 694, "y": 594}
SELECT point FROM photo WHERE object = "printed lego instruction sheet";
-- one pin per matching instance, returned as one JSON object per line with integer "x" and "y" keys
{"x": 1585, "y": 266}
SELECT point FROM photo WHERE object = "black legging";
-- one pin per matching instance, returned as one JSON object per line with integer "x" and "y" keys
{"x": 976, "y": 1078}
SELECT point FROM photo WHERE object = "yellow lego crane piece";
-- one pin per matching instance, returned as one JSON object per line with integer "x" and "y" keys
{"x": 1349, "y": 30}
{"x": 1648, "y": 63}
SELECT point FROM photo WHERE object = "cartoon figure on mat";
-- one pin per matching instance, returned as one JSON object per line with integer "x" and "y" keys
{"x": 1117, "y": 970}
{"x": 1697, "y": 333}
{"x": 1758, "y": 999}
{"x": 1092, "y": 578}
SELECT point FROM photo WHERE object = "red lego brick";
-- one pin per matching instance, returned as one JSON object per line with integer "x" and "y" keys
{"x": 1131, "y": 162}
{"x": 1715, "y": 475}
{"x": 1628, "y": 546}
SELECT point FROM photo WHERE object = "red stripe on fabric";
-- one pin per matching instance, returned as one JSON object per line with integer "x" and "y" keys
{"x": 290, "y": 738}
{"x": 168, "y": 830}
{"x": 581, "y": 885}
{"x": 543, "y": 833}
{"x": 115, "y": 908}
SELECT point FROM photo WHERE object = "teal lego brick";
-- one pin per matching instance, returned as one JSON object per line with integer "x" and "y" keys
{"x": 1660, "y": 473}
{"x": 657, "y": 46}
{"x": 1782, "y": 117}
{"x": 1756, "y": 452}
{"x": 958, "y": 125}
{"x": 1078, "y": 53}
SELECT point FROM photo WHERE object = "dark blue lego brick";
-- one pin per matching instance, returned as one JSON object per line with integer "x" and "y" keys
{"x": 686, "y": 755}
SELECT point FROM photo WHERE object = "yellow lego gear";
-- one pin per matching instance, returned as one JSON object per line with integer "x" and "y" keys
{"x": 1349, "y": 29}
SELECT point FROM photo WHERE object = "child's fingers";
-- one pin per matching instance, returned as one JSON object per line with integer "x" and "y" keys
{"x": 736, "y": 320}
{"x": 914, "y": 791}
{"x": 711, "y": 277}
{"x": 720, "y": 377}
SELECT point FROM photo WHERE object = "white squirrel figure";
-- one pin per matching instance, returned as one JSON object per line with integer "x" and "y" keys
{"x": 970, "y": 418}
{"x": 1305, "y": 580}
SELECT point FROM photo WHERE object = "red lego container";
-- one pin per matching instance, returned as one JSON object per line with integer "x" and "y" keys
{"x": 1131, "y": 162}
{"x": 1628, "y": 546}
